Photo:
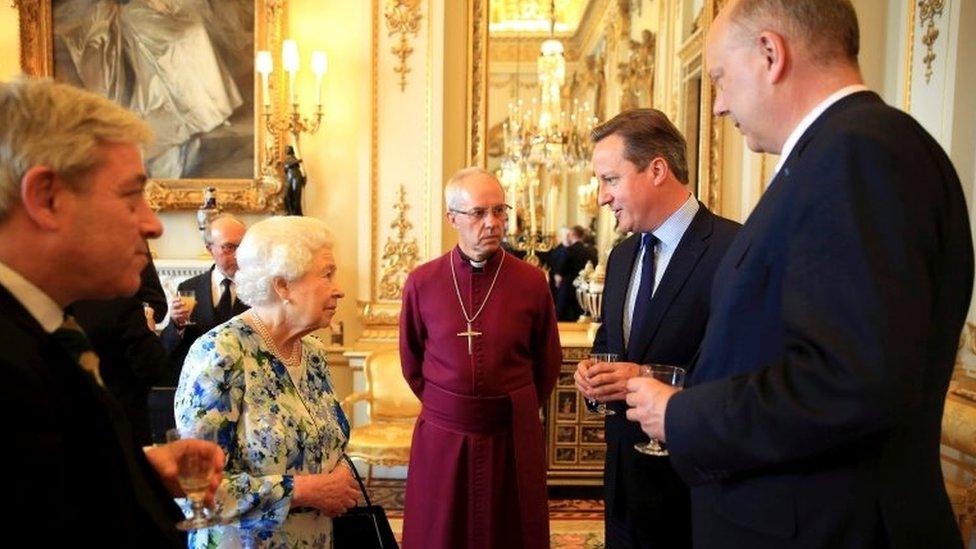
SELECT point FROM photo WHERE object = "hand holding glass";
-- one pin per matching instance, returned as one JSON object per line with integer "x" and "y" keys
{"x": 594, "y": 405}
{"x": 672, "y": 375}
{"x": 193, "y": 473}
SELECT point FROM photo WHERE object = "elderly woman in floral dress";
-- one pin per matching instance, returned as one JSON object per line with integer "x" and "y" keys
{"x": 260, "y": 385}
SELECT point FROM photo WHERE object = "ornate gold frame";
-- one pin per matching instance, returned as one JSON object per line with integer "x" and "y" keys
{"x": 264, "y": 192}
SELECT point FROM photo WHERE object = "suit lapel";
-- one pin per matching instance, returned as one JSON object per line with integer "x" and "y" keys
{"x": 690, "y": 249}
{"x": 614, "y": 302}
{"x": 205, "y": 304}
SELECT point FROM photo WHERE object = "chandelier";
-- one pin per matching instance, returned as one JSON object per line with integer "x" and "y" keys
{"x": 543, "y": 141}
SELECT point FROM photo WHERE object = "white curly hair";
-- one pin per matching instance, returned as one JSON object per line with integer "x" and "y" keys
{"x": 280, "y": 246}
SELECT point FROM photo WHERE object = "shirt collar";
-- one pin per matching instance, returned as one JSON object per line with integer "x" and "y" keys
{"x": 812, "y": 117}
{"x": 674, "y": 227}
{"x": 40, "y": 306}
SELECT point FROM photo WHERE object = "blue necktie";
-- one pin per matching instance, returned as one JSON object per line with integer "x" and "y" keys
{"x": 642, "y": 304}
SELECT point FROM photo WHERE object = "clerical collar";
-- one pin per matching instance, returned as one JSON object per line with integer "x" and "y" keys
{"x": 477, "y": 266}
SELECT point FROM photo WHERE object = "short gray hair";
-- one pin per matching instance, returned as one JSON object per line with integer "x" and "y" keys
{"x": 60, "y": 127}
{"x": 455, "y": 185}
{"x": 828, "y": 27}
{"x": 280, "y": 246}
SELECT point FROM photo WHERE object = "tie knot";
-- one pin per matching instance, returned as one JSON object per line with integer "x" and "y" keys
{"x": 225, "y": 283}
{"x": 648, "y": 240}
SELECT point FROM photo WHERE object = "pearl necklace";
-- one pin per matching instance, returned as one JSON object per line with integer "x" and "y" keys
{"x": 292, "y": 360}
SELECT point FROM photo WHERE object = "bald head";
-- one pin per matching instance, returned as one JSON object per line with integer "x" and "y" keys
{"x": 222, "y": 236}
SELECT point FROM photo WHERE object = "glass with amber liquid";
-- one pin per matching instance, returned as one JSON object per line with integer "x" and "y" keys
{"x": 189, "y": 299}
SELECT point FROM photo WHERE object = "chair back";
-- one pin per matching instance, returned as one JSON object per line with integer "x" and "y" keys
{"x": 391, "y": 399}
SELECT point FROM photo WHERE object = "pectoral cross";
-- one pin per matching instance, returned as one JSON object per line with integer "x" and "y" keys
{"x": 469, "y": 334}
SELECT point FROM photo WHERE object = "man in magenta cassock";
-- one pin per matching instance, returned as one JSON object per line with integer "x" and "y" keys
{"x": 480, "y": 347}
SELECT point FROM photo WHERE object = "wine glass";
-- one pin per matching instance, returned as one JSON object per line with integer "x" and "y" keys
{"x": 193, "y": 474}
{"x": 189, "y": 299}
{"x": 672, "y": 375}
{"x": 594, "y": 405}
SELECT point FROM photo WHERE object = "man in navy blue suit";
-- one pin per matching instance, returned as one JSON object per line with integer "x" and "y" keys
{"x": 812, "y": 415}
{"x": 655, "y": 305}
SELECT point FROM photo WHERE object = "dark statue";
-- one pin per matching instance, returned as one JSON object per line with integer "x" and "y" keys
{"x": 295, "y": 179}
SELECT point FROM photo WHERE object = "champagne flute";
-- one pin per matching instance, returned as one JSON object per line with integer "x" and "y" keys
{"x": 193, "y": 474}
{"x": 189, "y": 299}
{"x": 594, "y": 405}
{"x": 672, "y": 375}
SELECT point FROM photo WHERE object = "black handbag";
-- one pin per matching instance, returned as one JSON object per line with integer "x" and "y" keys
{"x": 363, "y": 526}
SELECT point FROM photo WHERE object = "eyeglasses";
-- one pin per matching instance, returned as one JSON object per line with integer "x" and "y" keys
{"x": 226, "y": 248}
{"x": 479, "y": 214}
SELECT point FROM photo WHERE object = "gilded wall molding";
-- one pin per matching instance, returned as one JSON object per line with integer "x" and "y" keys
{"x": 400, "y": 255}
{"x": 929, "y": 10}
{"x": 403, "y": 18}
{"x": 713, "y": 132}
{"x": 263, "y": 193}
{"x": 477, "y": 82}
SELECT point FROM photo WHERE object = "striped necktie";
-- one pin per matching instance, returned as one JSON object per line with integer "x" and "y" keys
{"x": 73, "y": 339}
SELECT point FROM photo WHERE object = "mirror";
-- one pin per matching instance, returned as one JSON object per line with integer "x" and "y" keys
{"x": 608, "y": 52}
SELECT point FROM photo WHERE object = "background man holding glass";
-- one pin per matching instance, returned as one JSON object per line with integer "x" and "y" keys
{"x": 812, "y": 416}
{"x": 215, "y": 292}
{"x": 655, "y": 305}
{"x": 73, "y": 224}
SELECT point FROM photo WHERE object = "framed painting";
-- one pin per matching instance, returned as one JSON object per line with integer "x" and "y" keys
{"x": 187, "y": 68}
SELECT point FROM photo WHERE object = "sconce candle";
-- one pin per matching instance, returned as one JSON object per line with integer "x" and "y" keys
{"x": 320, "y": 64}
{"x": 263, "y": 64}
{"x": 290, "y": 61}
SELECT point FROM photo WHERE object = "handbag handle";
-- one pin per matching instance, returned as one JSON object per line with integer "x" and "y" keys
{"x": 355, "y": 472}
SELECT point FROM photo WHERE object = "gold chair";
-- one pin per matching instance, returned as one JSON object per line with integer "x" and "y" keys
{"x": 392, "y": 410}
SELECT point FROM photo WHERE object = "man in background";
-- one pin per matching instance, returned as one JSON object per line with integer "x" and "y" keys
{"x": 655, "y": 306}
{"x": 73, "y": 225}
{"x": 812, "y": 416}
{"x": 216, "y": 294}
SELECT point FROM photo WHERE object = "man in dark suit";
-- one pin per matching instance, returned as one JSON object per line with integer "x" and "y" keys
{"x": 73, "y": 220}
{"x": 812, "y": 416}
{"x": 573, "y": 260}
{"x": 655, "y": 305}
{"x": 131, "y": 357}
{"x": 215, "y": 292}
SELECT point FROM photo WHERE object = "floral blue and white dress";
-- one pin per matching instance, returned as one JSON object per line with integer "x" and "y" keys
{"x": 270, "y": 427}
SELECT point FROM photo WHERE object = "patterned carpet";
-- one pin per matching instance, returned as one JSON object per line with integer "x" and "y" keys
{"x": 574, "y": 523}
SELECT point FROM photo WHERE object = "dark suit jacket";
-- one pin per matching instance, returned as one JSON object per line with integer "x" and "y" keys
{"x": 814, "y": 415}
{"x": 573, "y": 261}
{"x": 203, "y": 315}
{"x": 646, "y": 487}
{"x": 131, "y": 357}
{"x": 75, "y": 473}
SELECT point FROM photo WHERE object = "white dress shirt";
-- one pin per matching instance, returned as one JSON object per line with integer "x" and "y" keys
{"x": 40, "y": 306}
{"x": 669, "y": 236}
{"x": 812, "y": 117}
{"x": 216, "y": 290}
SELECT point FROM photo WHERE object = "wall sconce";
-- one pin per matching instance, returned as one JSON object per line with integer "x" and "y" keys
{"x": 291, "y": 122}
